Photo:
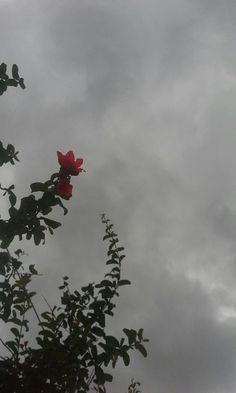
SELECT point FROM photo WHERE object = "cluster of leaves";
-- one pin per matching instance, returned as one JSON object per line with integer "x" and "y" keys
{"x": 72, "y": 348}
{"x": 29, "y": 219}
{"x": 5, "y": 81}
{"x": 8, "y": 154}
{"x": 134, "y": 386}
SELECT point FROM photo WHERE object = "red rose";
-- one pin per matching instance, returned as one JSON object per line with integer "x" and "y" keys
{"x": 69, "y": 164}
{"x": 64, "y": 188}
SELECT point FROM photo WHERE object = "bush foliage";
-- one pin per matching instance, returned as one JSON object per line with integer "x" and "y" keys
{"x": 72, "y": 350}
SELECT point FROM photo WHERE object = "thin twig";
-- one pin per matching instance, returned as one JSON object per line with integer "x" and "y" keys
{"x": 50, "y": 307}
{"x": 19, "y": 338}
{"x": 32, "y": 304}
{"x": 6, "y": 346}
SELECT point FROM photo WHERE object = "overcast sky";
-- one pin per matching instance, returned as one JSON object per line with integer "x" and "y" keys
{"x": 145, "y": 92}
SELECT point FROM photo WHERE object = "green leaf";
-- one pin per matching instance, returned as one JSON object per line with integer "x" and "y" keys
{"x": 115, "y": 270}
{"x": 113, "y": 252}
{"x": 98, "y": 331}
{"x": 19, "y": 308}
{"x": 32, "y": 269}
{"x": 7, "y": 241}
{"x": 124, "y": 282}
{"x": 3, "y": 70}
{"x": 55, "y": 176}
{"x": 3, "y": 87}
{"x": 5, "y": 285}
{"x": 21, "y": 83}
{"x": 10, "y": 150}
{"x": 37, "y": 187}
{"x": 108, "y": 377}
{"x": 51, "y": 223}
{"x": 12, "y": 212}
{"x": 120, "y": 249}
{"x": 131, "y": 334}
{"x": 112, "y": 261}
{"x": 104, "y": 283}
{"x": 141, "y": 349}
{"x": 47, "y": 315}
{"x": 40, "y": 341}
{"x": 18, "y": 252}
{"x": 12, "y": 82}
{"x": 29, "y": 235}
{"x": 59, "y": 202}
{"x": 101, "y": 320}
{"x": 50, "y": 230}
{"x": 12, "y": 199}
{"x": 100, "y": 379}
{"x": 16, "y": 264}
{"x": 2, "y": 269}
{"x": 140, "y": 334}
{"x": 15, "y": 74}
{"x": 47, "y": 333}
{"x": 38, "y": 236}
{"x": 110, "y": 340}
{"x": 15, "y": 156}
{"x": 12, "y": 345}
{"x": 107, "y": 236}
{"x": 16, "y": 321}
{"x": 15, "y": 331}
{"x": 23, "y": 281}
{"x": 126, "y": 358}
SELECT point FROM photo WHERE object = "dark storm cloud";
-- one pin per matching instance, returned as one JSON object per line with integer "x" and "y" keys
{"x": 118, "y": 45}
{"x": 145, "y": 92}
{"x": 194, "y": 351}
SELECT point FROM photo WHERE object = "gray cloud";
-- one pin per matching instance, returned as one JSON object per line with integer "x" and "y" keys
{"x": 145, "y": 93}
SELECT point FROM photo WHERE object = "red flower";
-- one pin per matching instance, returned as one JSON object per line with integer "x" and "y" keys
{"x": 64, "y": 188}
{"x": 69, "y": 164}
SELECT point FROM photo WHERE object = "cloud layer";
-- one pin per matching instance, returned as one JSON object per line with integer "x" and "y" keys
{"x": 145, "y": 93}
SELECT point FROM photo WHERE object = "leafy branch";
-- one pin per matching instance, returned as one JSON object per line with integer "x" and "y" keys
{"x": 72, "y": 348}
